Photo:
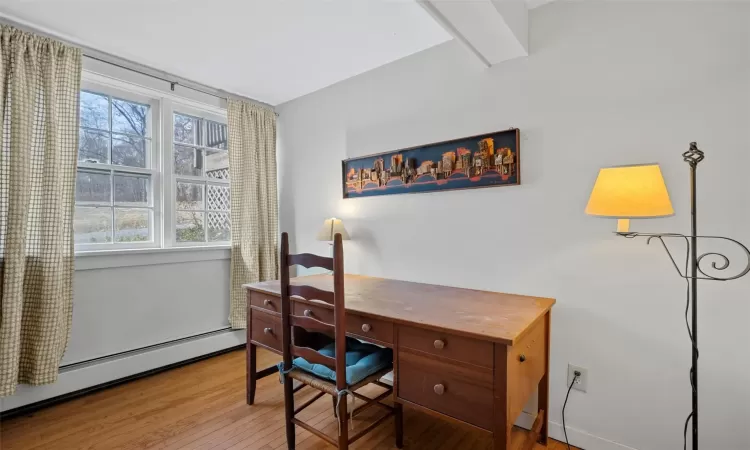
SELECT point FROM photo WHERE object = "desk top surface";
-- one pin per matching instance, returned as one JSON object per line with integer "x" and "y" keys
{"x": 499, "y": 317}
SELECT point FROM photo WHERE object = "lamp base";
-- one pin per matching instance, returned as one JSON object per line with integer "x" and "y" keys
{"x": 623, "y": 226}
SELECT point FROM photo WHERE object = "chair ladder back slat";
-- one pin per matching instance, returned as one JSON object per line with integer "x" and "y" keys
{"x": 311, "y": 324}
{"x": 311, "y": 293}
{"x": 309, "y": 260}
{"x": 313, "y": 356}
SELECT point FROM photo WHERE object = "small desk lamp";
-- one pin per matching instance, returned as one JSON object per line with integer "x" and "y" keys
{"x": 639, "y": 192}
{"x": 330, "y": 228}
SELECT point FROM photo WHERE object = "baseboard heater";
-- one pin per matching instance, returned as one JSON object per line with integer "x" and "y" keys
{"x": 98, "y": 359}
{"x": 33, "y": 407}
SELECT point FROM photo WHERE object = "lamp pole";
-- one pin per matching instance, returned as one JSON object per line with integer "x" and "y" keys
{"x": 693, "y": 157}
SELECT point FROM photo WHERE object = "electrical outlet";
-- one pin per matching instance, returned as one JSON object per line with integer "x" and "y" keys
{"x": 582, "y": 380}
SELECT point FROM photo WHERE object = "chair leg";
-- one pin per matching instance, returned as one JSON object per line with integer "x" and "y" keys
{"x": 289, "y": 411}
{"x": 399, "y": 419}
{"x": 343, "y": 424}
{"x": 333, "y": 401}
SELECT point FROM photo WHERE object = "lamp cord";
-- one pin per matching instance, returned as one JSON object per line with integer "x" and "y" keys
{"x": 565, "y": 430}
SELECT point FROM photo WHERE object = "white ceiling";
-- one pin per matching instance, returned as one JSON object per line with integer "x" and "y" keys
{"x": 269, "y": 50}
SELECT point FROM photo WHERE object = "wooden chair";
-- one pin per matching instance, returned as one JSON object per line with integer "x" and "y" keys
{"x": 339, "y": 389}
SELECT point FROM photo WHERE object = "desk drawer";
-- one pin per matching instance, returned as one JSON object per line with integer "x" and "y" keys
{"x": 322, "y": 313}
{"x": 459, "y": 391}
{"x": 367, "y": 328}
{"x": 459, "y": 348}
{"x": 265, "y": 301}
{"x": 362, "y": 327}
{"x": 266, "y": 330}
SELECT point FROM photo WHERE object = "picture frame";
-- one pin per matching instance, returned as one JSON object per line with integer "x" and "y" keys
{"x": 484, "y": 160}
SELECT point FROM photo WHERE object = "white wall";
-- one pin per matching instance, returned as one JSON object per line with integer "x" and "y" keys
{"x": 607, "y": 83}
{"x": 125, "y": 308}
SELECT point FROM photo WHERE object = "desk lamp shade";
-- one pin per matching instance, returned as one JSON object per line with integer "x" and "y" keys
{"x": 630, "y": 192}
{"x": 330, "y": 228}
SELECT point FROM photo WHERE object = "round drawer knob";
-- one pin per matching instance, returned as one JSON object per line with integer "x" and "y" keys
{"x": 268, "y": 330}
{"x": 439, "y": 344}
{"x": 267, "y": 302}
{"x": 307, "y": 313}
{"x": 522, "y": 357}
{"x": 366, "y": 327}
{"x": 439, "y": 389}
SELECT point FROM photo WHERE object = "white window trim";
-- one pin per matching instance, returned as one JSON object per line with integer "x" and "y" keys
{"x": 163, "y": 104}
{"x": 108, "y": 259}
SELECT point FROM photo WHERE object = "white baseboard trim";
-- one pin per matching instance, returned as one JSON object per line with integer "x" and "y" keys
{"x": 82, "y": 376}
{"x": 578, "y": 438}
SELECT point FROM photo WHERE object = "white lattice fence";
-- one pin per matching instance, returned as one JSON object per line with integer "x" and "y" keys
{"x": 218, "y": 221}
{"x": 217, "y": 201}
{"x": 221, "y": 174}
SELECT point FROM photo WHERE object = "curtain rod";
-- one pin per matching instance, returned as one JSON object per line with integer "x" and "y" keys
{"x": 172, "y": 84}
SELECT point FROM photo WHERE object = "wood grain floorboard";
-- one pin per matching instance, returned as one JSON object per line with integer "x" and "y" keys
{"x": 202, "y": 407}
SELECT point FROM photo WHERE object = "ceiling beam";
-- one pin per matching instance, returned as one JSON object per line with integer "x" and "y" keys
{"x": 492, "y": 30}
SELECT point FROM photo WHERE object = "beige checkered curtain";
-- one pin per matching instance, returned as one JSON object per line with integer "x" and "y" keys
{"x": 39, "y": 89}
{"x": 255, "y": 205}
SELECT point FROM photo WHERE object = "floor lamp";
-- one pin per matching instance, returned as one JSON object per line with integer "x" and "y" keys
{"x": 629, "y": 192}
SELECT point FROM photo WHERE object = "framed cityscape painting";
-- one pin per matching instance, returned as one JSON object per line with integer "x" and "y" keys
{"x": 486, "y": 160}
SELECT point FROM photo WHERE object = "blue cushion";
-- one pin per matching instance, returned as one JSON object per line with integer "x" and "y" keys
{"x": 362, "y": 360}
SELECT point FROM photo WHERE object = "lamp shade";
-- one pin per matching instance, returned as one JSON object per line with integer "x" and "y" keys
{"x": 330, "y": 228}
{"x": 630, "y": 192}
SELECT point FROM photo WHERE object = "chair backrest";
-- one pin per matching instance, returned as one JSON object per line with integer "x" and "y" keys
{"x": 335, "y": 298}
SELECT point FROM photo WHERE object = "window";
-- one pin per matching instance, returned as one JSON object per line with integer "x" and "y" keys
{"x": 115, "y": 187}
{"x": 153, "y": 170}
{"x": 201, "y": 179}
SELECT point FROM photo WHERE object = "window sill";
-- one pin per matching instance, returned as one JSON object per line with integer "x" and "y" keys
{"x": 107, "y": 259}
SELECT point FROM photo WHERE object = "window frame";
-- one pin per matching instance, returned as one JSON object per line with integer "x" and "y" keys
{"x": 170, "y": 223}
{"x": 153, "y": 169}
{"x": 126, "y": 85}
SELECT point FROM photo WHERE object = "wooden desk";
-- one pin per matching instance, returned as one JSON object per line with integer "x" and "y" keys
{"x": 472, "y": 356}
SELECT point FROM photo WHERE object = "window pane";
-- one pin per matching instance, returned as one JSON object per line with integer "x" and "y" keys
{"x": 130, "y": 118}
{"x": 128, "y": 151}
{"x": 218, "y": 226}
{"x": 132, "y": 225}
{"x": 93, "y": 146}
{"x": 94, "y": 111}
{"x": 217, "y": 197}
{"x": 132, "y": 190}
{"x": 189, "y": 196}
{"x": 190, "y": 226}
{"x": 187, "y": 130}
{"x": 217, "y": 164}
{"x": 187, "y": 160}
{"x": 93, "y": 187}
{"x": 92, "y": 225}
{"x": 216, "y": 135}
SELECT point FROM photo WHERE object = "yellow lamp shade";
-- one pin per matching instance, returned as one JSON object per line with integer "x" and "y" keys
{"x": 630, "y": 192}
{"x": 330, "y": 228}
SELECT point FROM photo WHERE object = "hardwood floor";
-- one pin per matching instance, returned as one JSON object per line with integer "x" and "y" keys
{"x": 202, "y": 406}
